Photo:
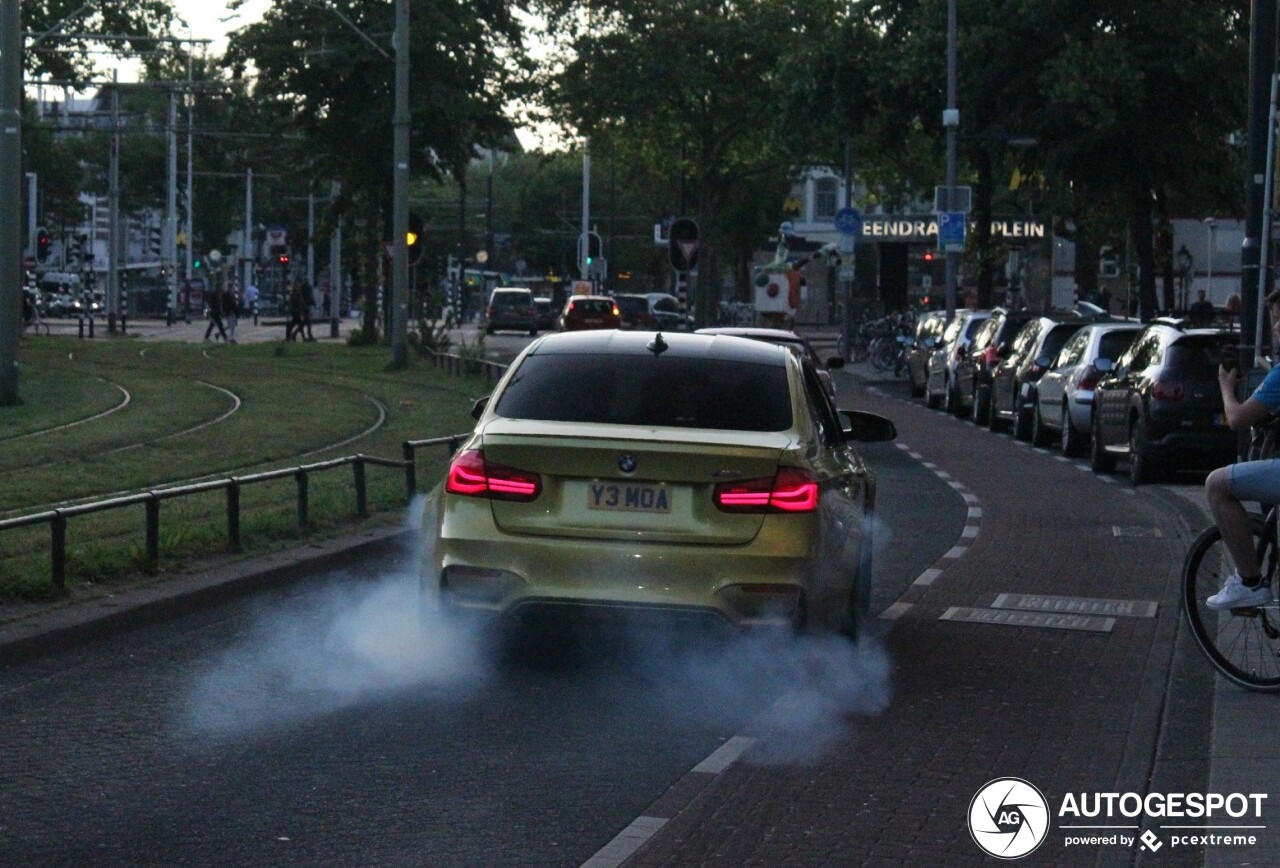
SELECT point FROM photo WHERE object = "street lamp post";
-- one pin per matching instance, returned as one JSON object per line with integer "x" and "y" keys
{"x": 1185, "y": 262}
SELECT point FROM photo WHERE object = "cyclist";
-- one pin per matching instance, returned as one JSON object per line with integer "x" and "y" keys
{"x": 1228, "y": 486}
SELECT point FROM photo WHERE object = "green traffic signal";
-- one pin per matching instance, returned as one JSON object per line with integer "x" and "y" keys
{"x": 196, "y": 264}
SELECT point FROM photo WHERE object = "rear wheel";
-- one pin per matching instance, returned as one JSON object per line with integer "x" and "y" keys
{"x": 1021, "y": 421}
{"x": 1040, "y": 433}
{"x": 1142, "y": 467}
{"x": 981, "y": 403}
{"x": 931, "y": 400}
{"x": 916, "y": 391}
{"x": 1072, "y": 440}
{"x": 1100, "y": 459}
{"x": 1244, "y": 644}
{"x": 952, "y": 403}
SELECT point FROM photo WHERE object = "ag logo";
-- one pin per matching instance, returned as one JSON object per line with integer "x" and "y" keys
{"x": 1008, "y": 818}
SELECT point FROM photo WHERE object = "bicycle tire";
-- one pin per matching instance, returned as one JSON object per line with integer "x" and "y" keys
{"x": 882, "y": 352}
{"x": 1242, "y": 644}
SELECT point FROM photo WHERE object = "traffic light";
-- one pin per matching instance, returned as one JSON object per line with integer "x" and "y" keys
{"x": 593, "y": 247}
{"x": 43, "y": 240}
{"x": 928, "y": 256}
{"x": 283, "y": 259}
{"x": 196, "y": 265}
{"x": 414, "y": 239}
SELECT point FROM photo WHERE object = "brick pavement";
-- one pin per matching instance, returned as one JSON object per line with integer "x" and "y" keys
{"x": 1126, "y": 711}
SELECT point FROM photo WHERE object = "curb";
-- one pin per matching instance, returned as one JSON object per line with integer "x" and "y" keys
{"x": 64, "y": 628}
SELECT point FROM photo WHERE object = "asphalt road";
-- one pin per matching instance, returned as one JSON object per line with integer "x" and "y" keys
{"x": 319, "y": 725}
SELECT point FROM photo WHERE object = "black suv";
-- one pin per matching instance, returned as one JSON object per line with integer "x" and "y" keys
{"x": 1013, "y": 380}
{"x": 1160, "y": 404}
{"x": 973, "y": 372}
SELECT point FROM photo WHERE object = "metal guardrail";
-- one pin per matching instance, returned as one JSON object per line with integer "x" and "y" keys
{"x": 151, "y": 500}
{"x": 463, "y": 366}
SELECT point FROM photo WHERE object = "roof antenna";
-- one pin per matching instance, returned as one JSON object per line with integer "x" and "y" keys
{"x": 657, "y": 346}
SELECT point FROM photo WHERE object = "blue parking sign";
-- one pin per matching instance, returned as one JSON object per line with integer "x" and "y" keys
{"x": 848, "y": 221}
{"x": 951, "y": 231}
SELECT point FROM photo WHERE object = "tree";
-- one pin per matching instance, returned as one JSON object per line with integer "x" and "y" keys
{"x": 697, "y": 94}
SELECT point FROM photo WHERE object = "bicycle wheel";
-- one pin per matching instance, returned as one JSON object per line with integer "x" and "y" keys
{"x": 1243, "y": 644}
{"x": 882, "y": 351}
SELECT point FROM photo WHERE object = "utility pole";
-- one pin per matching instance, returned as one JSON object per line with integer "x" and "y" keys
{"x": 400, "y": 207}
{"x": 113, "y": 191}
{"x": 191, "y": 238}
{"x": 311, "y": 235}
{"x": 10, "y": 197}
{"x": 171, "y": 209}
{"x": 951, "y": 120}
{"x": 335, "y": 263}
{"x": 246, "y": 244}
{"x": 1262, "y": 67}
{"x": 584, "y": 241}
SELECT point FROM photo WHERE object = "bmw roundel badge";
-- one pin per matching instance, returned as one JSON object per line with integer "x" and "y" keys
{"x": 627, "y": 464}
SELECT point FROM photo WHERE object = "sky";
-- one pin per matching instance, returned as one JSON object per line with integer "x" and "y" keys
{"x": 206, "y": 17}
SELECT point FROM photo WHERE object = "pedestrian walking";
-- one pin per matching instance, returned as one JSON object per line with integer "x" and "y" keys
{"x": 251, "y": 300}
{"x": 301, "y": 300}
{"x": 231, "y": 311}
{"x": 214, "y": 303}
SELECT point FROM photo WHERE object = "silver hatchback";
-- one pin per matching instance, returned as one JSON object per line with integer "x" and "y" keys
{"x": 1064, "y": 395}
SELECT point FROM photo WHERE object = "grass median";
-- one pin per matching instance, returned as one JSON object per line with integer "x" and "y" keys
{"x": 113, "y": 417}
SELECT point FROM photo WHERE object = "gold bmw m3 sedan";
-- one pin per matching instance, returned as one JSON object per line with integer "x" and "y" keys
{"x": 672, "y": 472}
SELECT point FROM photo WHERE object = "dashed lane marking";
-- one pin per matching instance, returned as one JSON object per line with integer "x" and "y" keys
{"x": 928, "y": 577}
{"x": 897, "y": 610}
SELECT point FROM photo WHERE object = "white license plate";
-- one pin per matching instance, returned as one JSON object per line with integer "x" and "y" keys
{"x": 628, "y": 497}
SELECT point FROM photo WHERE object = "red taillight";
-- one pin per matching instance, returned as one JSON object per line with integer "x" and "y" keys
{"x": 1089, "y": 379}
{"x": 791, "y": 490}
{"x": 615, "y": 310}
{"x": 471, "y": 476}
{"x": 1167, "y": 391}
{"x": 990, "y": 357}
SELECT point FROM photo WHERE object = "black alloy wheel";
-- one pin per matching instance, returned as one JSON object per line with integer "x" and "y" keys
{"x": 1021, "y": 420}
{"x": 981, "y": 403}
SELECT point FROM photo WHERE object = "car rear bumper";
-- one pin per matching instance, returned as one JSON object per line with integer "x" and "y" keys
{"x": 760, "y": 583}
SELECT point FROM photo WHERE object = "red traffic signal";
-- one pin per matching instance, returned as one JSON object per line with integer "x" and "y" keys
{"x": 283, "y": 259}
{"x": 43, "y": 240}
{"x": 928, "y": 256}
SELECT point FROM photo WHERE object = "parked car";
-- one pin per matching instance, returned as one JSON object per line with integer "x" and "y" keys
{"x": 588, "y": 312}
{"x": 1064, "y": 396}
{"x": 928, "y": 332}
{"x": 700, "y": 474}
{"x": 1013, "y": 381}
{"x": 654, "y": 311}
{"x": 1160, "y": 404}
{"x": 511, "y": 309}
{"x": 940, "y": 386}
{"x": 792, "y": 341}
{"x": 546, "y": 313}
{"x": 973, "y": 372}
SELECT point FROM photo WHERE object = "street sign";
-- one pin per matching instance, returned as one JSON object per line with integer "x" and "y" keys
{"x": 951, "y": 231}
{"x": 849, "y": 221}
{"x": 683, "y": 241}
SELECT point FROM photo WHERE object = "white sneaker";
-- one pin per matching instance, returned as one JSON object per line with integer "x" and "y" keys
{"x": 1235, "y": 595}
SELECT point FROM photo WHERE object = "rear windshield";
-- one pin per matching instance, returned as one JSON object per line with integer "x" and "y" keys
{"x": 632, "y": 304}
{"x": 592, "y": 305}
{"x": 1113, "y": 344}
{"x": 643, "y": 390}
{"x": 1200, "y": 355}
{"x": 512, "y": 299}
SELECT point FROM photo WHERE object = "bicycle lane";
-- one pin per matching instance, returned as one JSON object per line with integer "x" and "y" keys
{"x": 1073, "y": 711}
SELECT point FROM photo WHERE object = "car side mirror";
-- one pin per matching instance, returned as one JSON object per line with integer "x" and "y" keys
{"x": 1043, "y": 361}
{"x": 477, "y": 409}
{"x": 863, "y": 427}
{"x": 929, "y": 343}
{"x": 835, "y": 362}
{"x": 1104, "y": 366}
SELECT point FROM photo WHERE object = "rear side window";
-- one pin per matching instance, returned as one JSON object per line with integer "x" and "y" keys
{"x": 1113, "y": 344}
{"x": 666, "y": 305}
{"x": 648, "y": 391}
{"x": 975, "y": 323}
{"x": 1056, "y": 339}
